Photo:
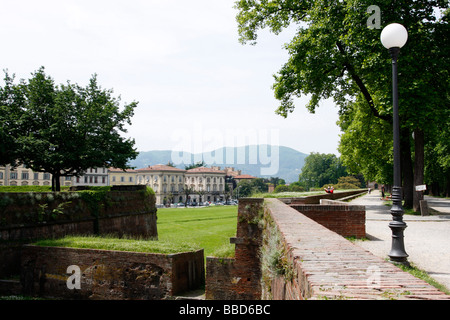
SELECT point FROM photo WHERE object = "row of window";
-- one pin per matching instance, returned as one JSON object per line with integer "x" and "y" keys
{"x": 26, "y": 176}
{"x": 92, "y": 179}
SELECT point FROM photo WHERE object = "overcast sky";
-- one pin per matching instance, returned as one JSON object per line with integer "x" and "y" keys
{"x": 197, "y": 86}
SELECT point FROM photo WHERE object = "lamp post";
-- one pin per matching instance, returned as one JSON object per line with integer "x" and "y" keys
{"x": 393, "y": 37}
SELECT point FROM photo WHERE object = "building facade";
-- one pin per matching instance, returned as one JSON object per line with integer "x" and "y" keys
{"x": 207, "y": 184}
{"x": 167, "y": 182}
{"x": 23, "y": 176}
{"x": 170, "y": 184}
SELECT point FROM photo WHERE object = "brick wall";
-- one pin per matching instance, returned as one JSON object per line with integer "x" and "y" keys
{"x": 239, "y": 278}
{"x": 110, "y": 275}
{"x": 346, "y": 220}
{"x": 307, "y": 260}
{"x": 317, "y": 198}
{"x": 324, "y": 265}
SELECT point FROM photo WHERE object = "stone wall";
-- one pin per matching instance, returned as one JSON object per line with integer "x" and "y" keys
{"x": 109, "y": 275}
{"x": 27, "y": 216}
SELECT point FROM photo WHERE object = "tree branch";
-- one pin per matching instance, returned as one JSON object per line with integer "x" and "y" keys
{"x": 361, "y": 86}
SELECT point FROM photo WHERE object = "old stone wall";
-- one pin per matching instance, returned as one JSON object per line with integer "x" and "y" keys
{"x": 27, "y": 216}
{"x": 109, "y": 275}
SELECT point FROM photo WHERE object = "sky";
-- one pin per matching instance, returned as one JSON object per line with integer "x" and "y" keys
{"x": 198, "y": 88}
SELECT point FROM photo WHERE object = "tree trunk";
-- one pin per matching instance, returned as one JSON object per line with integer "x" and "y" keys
{"x": 406, "y": 168}
{"x": 419, "y": 164}
{"x": 56, "y": 185}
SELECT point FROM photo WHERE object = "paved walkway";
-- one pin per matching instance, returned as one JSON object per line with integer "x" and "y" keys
{"x": 427, "y": 239}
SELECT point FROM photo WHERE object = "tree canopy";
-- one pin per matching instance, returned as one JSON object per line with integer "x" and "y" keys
{"x": 63, "y": 129}
{"x": 334, "y": 55}
{"x": 321, "y": 169}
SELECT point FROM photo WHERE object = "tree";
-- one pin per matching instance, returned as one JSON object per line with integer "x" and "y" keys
{"x": 335, "y": 55}
{"x": 187, "y": 191}
{"x": 198, "y": 164}
{"x": 320, "y": 169}
{"x": 66, "y": 129}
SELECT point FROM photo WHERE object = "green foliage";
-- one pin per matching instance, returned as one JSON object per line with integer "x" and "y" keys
{"x": 321, "y": 169}
{"x": 29, "y": 188}
{"x": 65, "y": 129}
{"x": 334, "y": 55}
{"x": 281, "y": 188}
{"x": 246, "y": 188}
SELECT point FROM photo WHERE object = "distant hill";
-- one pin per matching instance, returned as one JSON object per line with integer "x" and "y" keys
{"x": 256, "y": 160}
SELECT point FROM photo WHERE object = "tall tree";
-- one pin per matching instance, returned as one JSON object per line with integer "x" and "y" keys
{"x": 66, "y": 129}
{"x": 335, "y": 55}
{"x": 320, "y": 169}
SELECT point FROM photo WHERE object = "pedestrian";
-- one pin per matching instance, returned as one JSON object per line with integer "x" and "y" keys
{"x": 382, "y": 191}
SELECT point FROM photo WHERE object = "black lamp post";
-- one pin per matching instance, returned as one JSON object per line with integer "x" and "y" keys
{"x": 393, "y": 37}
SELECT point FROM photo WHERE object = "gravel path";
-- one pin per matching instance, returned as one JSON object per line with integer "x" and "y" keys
{"x": 427, "y": 239}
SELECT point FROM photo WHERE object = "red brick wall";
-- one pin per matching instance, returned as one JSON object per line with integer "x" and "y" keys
{"x": 346, "y": 220}
{"x": 239, "y": 278}
{"x": 327, "y": 266}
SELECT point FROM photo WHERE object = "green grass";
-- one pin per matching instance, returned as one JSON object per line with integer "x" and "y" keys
{"x": 209, "y": 227}
{"x": 421, "y": 274}
{"x": 113, "y": 243}
{"x": 179, "y": 230}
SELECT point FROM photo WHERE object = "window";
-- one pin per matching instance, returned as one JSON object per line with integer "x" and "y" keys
{"x": 78, "y": 179}
{"x": 103, "y": 180}
{"x": 13, "y": 175}
{"x": 25, "y": 176}
{"x": 114, "y": 178}
{"x": 36, "y": 176}
{"x": 67, "y": 178}
{"x": 46, "y": 176}
{"x": 173, "y": 179}
{"x": 95, "y": 178}
{"x": 1, "y": 175}
{"x": 122, "y": 179}
{"x": 85, "y": 179}
{"x": 130, "y": 179}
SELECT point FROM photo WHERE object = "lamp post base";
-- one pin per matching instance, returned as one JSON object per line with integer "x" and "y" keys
{"x": 397, "y": 225}
{"x": 397, "y": 253}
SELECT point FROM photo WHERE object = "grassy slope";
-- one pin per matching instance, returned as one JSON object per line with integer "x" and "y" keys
{"x": 179, "y": 229}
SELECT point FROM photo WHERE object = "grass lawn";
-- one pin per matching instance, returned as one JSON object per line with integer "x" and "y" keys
{"x": 179, "y": 229}
{"x": 209, "y": 228}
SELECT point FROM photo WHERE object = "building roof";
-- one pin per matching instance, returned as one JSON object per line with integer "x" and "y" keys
{"x": 244, "y": 176}
{"x": 205, "y": 170}
{"x": 160, "y": 167}
{"x": 118, "y": 170}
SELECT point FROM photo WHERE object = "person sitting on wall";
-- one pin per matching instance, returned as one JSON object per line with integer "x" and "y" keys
{"x": 329, "y": 189}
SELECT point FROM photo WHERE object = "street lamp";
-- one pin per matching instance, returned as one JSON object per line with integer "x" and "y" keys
{"x": 393, "y": 37}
